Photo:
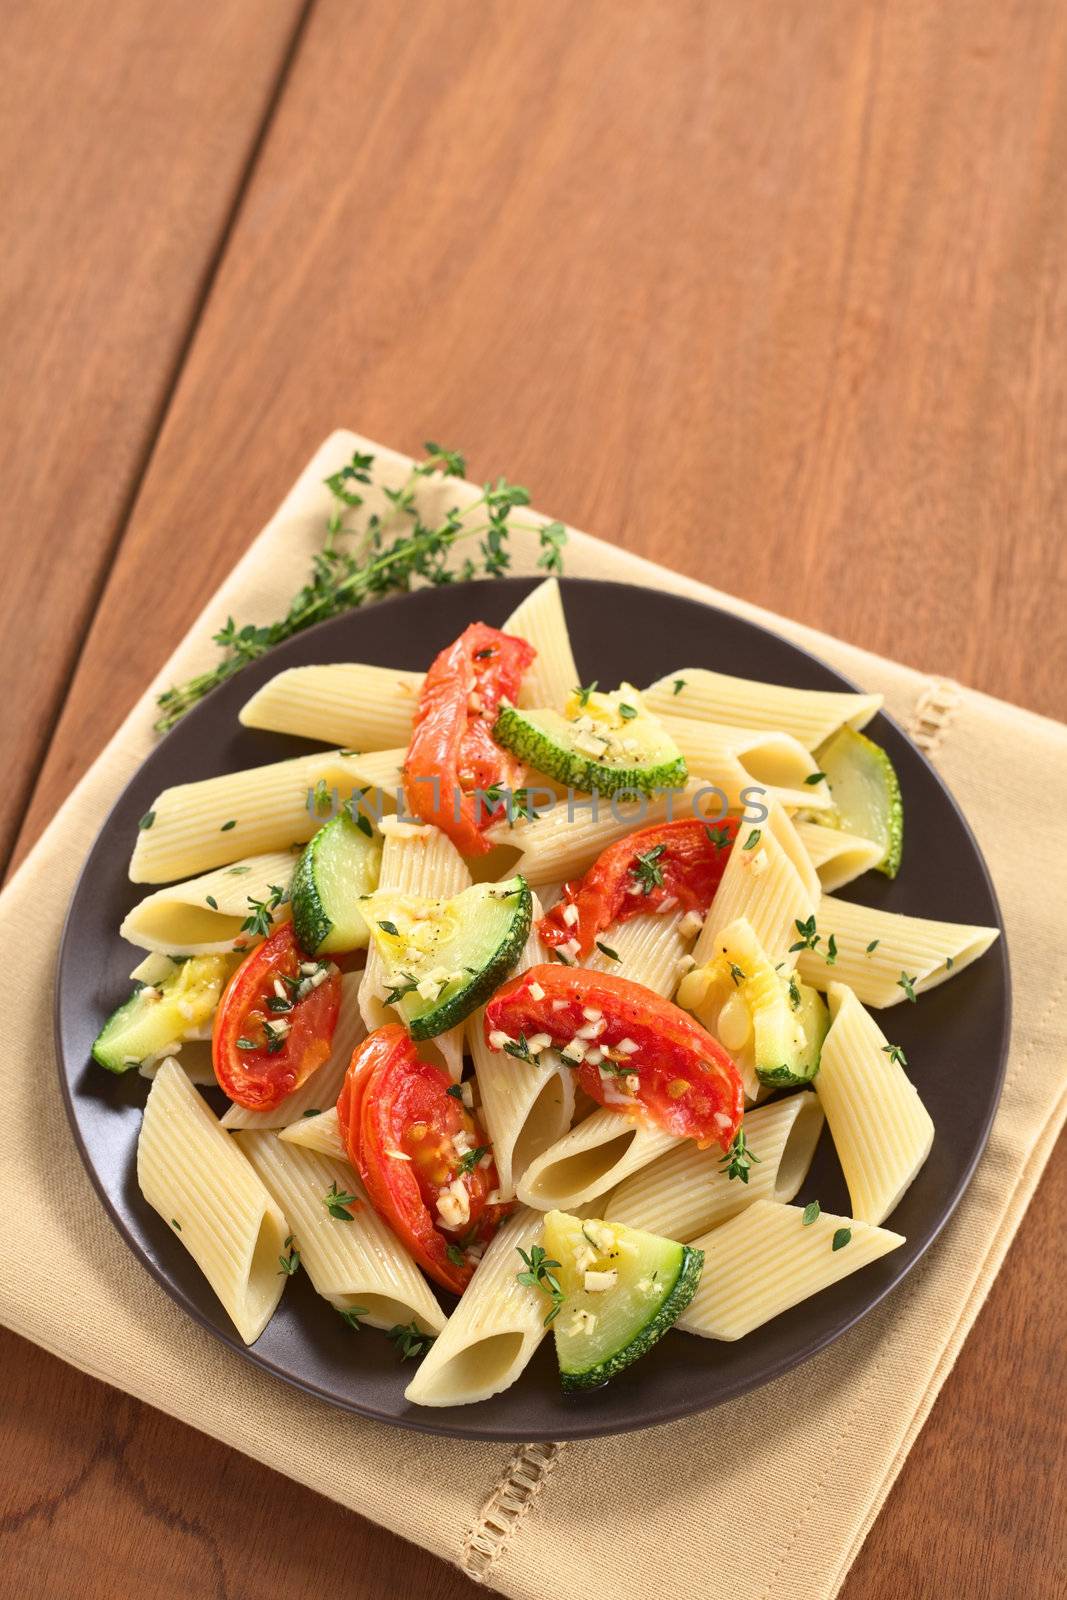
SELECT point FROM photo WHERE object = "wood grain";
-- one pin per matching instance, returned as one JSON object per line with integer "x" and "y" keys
{"x": 125, "y": 132}
{"x": 802, "y": 265}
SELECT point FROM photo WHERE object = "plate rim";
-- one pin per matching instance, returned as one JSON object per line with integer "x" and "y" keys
{"x": 584, "y": 1424}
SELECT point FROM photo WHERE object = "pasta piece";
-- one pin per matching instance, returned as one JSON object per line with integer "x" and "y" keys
{"x": 738, "y": 760}
{"x": 203, "y": 916}
{"x": 766, "y": 1259}
{"x": 837, "y": 857}
{"x": 269, "y": 808}
{"x": 810, "y": 715}
{"x": 881, "y": 1130}
{"x": 321, "y": 1133}
{"x": 567, "y": 839}
{"x": 923, "y": 951}
{"x": 540, "y": 621}
{"x": 687, "y": 1191}
{"x": 318, "y": 1092}
{"x": 524, "y": 1108}
{"x": 650, "y": 949}
{"x": 351, "y": 705}
{"x": 192, "y": 1173}
{"x": 771, "y": 883}
{"x": 356, "y": 1265}
{"x": 421, "y": 861}
{"x": 591, "y": 1159}
{"x": 489, "y": 1338}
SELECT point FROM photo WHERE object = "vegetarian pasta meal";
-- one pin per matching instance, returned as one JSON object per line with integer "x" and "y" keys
{"x": 531, "y": 999}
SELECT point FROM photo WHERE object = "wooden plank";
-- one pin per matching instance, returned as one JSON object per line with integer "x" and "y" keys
{"x": 805, "y": 267}
{"x": 125, "y": 132}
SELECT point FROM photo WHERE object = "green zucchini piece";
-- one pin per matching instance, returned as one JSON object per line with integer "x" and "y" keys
{"x": 866, "y": 793}
{"x": 622, "y": 1289}
{"x": 444, "y": 958}
{"x": 603, "y": 742}
{"x": 802, "y": 1048}
{"x": 338, "y": 867}
{"x": 179, "y": 1007}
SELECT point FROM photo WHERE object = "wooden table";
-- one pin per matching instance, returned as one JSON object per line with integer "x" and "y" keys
{"x": 774, "y": 293}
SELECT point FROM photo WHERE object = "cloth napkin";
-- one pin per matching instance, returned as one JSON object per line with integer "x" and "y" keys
{"x": 521, "y": 1518}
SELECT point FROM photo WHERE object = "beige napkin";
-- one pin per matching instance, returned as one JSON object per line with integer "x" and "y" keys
{"x": 834, "y": 1432}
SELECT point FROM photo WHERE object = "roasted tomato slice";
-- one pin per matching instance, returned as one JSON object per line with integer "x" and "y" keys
{"x": 667, "y": 864}
{"x": 424, "y": 1161}
{"x": 452, "y": 754}
{"x": 275, "y": 1022}
{"x": 633, "y": 1050}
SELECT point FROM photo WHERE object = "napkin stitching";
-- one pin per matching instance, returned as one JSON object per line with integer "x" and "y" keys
{"x": 933, "y": 713}
{"x": 505, "y": 1509}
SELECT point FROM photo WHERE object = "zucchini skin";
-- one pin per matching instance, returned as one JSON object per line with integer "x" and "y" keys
{"x": 538, "y": 750}
{"x": 684, "y": 1288}
{"x": 458, "y": 1007}
{"x": 309, "y": 916}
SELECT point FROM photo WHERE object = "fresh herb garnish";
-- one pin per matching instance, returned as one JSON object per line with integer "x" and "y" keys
{"x": 737, "y": 973}
{"x": 540, "y": 1274}
{"x": 358, "y": 563}
{"x": 483, "y": 655}
{"x": 809, "y": 938}
{"x": 520, "y": 1050}
{"x": 627, "y": 713}
{"x": 895, "y": 1053}
{"x": 584, "y": 692}
{"x": 399, "y": 990}
{"x": 410, "y": 1340}
{"x": 337, "y": 1202}
{"x": 455, "y": 1255}
{"x": 261, "y": 912}
{"x": 720, "y": 837}
{"x": 646, "y": 869}
{"x": 841, "y": 1238}
{"x": 679, "y": 685}
{"x": 814, "y": 777}
{"x": 470, "y": 1159}
{"x": 146, "y": 821}
{"x": 291, "y": 1262}
{"x": 352, "y": 1316}
{"x": 753, "y": 839}
{"x": 226, "y": 826}
{"x": 739, "y": 1158}
{"x": 908, "y": 986}
{"x": 212, "y": 902}
{"x": 811, "y": 1212}
{"x": 794, "y": 994}
{"x": 949, "y": 960}
{"x": 831, "y": 951}
{"x": 175, "y": 1224}
{"x": 606, "y": 950}
{"x": 872, "y": 947}
{"x": 455, "y": 1091}
{"x": 516, "y": 802}
{"x": 312, "y": 1111}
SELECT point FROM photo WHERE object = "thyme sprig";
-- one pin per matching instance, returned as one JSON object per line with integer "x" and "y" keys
{"x": 356, "y": 564}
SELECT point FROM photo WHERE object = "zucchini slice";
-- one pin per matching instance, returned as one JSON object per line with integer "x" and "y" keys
{"x": 444, "y": 958}
{"x": 157, "y": 1016}
{"x": 622, "y": 1289}
{"x": 866, "y": 793}
{"x": 603, "y": 742}
{"x": 338, "y": 867}
{"x": 772, "y": 1024}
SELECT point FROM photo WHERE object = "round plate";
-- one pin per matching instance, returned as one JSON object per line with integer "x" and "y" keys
{"x": 955, "y": 1037}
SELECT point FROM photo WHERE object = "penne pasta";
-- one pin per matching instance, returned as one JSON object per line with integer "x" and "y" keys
{"x": 319, "y": 1091}
{"x": 524, "y": 1108}
{"x": 741, "y": 760}
{"x": 204, "y": 915}
{"x": 881, "y": 1130}
{"x": 320, "y": 1132}
{"x": 686, "y": 1192}
{"x": 490, "y": 1337}
{"x": 837, "y": 857}
{"x": 771, "y": 883}
{"x": 810, "y": 715}
{"x": 348, "y": 704}
{"x": 195, "y": 827}
{"x": 591, "y": 1159}
{"x": 917, "y": 948}
{"x": 540, "y": 621}
{"x": 359, "y": 1265}
{"x": 193, "y": 1174}
{"x": 766, "y": 1259}
{"x": 650, "y": 949}
{"x": 418, "y": 860}
{"x": 566, "y": 840}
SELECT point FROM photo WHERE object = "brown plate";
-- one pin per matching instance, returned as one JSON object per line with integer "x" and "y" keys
{"x": 955, "y": 1037}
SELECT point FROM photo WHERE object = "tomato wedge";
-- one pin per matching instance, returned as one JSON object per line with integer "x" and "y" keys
{"x": 452, "y": 754}
{"x": 665, "y": 864}
{"x": 275, "y": 1022}
{"x": 424, "y": 1161}
{"x": 637, "y": 1051}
